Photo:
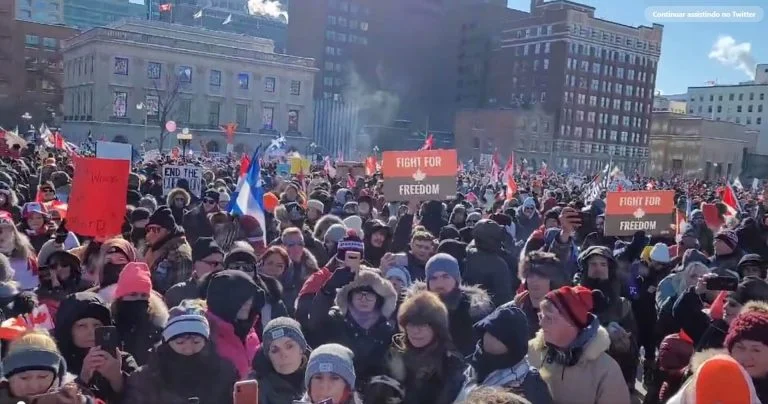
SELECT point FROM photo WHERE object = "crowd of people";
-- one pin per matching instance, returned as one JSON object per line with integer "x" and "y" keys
{"x": 346, "y": 297}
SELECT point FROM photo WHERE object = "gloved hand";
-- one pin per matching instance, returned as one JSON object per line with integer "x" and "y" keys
{"x": 339, "y": 279}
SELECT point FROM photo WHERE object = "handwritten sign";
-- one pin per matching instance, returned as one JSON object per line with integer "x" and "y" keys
{"x": 89, "y": 212}
{"x": 192, "y": 174}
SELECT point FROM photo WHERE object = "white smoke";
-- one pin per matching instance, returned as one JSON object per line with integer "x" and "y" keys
{"x": 270, "y": 8}
{"x": 729, "y": 53}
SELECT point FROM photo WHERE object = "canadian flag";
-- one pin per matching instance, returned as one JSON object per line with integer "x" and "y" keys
{"x": 495, "y": 168}
{"x": 429, "y": 142}
{"x": 370, "y": 165}
{"x": 730, "y": 201}
{"x": 509, "y": 174}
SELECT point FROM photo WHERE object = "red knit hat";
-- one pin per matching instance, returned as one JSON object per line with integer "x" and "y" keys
{"x": 721, "y": 379}
{"x": 575, "y": 303}
{"x": 750, "y": 324}
{"x": 134, "y": 278}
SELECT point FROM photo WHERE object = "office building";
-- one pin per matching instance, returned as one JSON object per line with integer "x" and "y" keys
{"x": 86, "y": 14}
{"x": 666, "y": 104}
{"x": 42, "y": 11}
{"x": 595, "y": 76}
{"x": 127, "y": 80}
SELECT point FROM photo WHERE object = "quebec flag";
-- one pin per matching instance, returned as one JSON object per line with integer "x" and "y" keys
{"x": 248, "y": 198}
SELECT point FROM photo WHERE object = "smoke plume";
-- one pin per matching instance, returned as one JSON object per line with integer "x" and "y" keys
{"x": 375, "y": 107}
{"x": 728, "y": 52}
{"x": 270, "y": 8}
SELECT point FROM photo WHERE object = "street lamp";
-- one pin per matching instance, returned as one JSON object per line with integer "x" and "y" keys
{"x": 184, "y": 138}
{"x": 140, "y": 106}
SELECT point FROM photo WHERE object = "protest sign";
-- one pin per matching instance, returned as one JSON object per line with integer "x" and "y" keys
{"x": 283, "y": 169}
{"x": 192, "y": 174}
{"x": 650, "y": 211}
{"x": 97, "y": 201}
{"x": 344, "y": 168}
{"x": 419, "y": 175}
{"x": 152, "y": 155}
{"x": 113, "y": 150}
{"x": 299, "y": 165}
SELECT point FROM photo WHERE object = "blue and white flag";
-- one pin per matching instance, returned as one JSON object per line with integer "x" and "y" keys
{"x": 248, "y": 198}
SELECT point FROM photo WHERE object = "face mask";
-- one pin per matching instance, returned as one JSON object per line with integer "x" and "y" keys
{"x": 110, "y": 274}
{"x": 485, "y": 363}
{"x": 131, "y": 312}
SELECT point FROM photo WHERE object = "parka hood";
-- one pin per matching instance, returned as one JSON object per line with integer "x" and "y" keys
{"x": 380, "y": 286}
{"x": 480, "y": 303}
{"x": 178, "y": 192}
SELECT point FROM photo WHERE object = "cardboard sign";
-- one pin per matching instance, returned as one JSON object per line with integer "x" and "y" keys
{"x": 193, "y": 175}
{"x": 631, "y": 211}
{"x": 112, "y": 150}
{"x": 283, "y": 169}
{"x": 344, "y": 168}
{"x": 299, "y": 165}
{"x": 419, "y": 175}
{"x": 97, "y": 202}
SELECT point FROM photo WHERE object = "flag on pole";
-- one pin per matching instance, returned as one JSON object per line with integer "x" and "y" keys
{"x": 165, "y": 7}
{"x": 245, "y": 162}
{"x": 227, "y": 20}
{"x": 370, "y": 165}
{"x": 429, "y": 143}
{"x": 730, "y": 201}
{"x": 198, "y": 14}
{"x": 755, "y": 184}
{"x": 249, "y": 195}
{"x": 737, "y": 184}
{"x": 495, "y": 168}
{"x": 509, "y": 174}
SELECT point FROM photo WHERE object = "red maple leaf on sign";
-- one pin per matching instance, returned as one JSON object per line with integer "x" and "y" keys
{"x": 229, "y": 130}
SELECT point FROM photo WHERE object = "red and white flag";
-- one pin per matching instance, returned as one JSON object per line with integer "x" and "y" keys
{"x": 429, "y": 142}
{"x": 730, "y": 201}
{"x": 509, "y": 178}
{"x": 495, "y": 168}
{"x": 370, "y": 165}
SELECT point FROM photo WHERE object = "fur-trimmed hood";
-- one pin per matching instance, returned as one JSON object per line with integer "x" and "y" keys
{"x": 687, "y": 393}
{"x": 158, "y": 311}
{"x": 699, "y": 358}
{"x": 380, "y": 286}
{"x": 176, "y": 192}
{"x": 592, "y": 350}
{"x": 480, "y": 303}
{"x": 324, "y": 223}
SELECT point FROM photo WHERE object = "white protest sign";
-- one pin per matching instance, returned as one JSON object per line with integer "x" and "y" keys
{"x": 152, "y": 155}
{"x": 193, "y": 175}
{"x": 114, "y": 151}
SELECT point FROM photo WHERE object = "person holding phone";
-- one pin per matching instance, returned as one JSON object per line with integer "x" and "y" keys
{"x": 184, "y": 367}
{"x": 330, "y": 377}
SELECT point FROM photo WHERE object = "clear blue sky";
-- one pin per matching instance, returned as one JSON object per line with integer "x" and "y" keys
{"x": 686, "y": 46}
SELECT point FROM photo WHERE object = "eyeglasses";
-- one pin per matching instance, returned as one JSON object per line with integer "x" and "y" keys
{"x": 214, "y": 264}
{"x": 369, "y": 296}
{"x": 241, "y": 266}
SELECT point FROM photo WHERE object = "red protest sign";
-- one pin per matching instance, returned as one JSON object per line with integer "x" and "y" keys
{"x": 97, "y": 201}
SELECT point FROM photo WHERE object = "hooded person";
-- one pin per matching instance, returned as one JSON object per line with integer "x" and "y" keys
{"x": 178, "y": 202}
{"x": 234, "y": 305}
{"x": 570, "y": 350}
{"x": 599, "y": 272}
{"x": 195, "y": 222}
{"x": 102, "y": 372}
{"x": 540, "y": 272}
{"x": 485, "y": 265}
{"x": 432, "y": 217}
{"x": 324, "y": 224}
{"x": 528, "y": 219}
{"x": 353, "y": 309}
{"x": 343, "y": 195}
{"x": 500, "y": 359}
{"x": 138, "y": 220}
{"x": 168, "y": 255}
{"x": 281, "y": 361}
{"x": 9, "y": 201}
{"x": 422, "y": 358}
{"x": 466, "y": 304}
{"x": 116, "y": 253}
{"x": 378, "y": 238}
{"x": 703, "y": 233}
{"x": 60, "y": 275}
{"x": 315, "y": 210}
{"x": 458, "y": 216}
{"x": 331, "y": 376}
{"x": 185, "y": 365}
{"x": 140, "y": 314}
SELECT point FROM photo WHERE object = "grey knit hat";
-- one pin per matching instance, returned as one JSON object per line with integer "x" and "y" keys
{"x": 283, "y": 327}
{"x": 34, "y": 359}
{"x": 331, "y": 358}
{"x": 442, "y": 262}
{"x": 335, "y": 233}
{"x": 315, "y": 204}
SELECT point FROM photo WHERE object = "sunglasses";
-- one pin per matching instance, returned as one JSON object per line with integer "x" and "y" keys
{"x": 294, "y": 244}
{"x": 153, "y": 229}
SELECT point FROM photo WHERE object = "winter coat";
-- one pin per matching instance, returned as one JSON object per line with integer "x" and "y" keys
{"x": 230, "y": 347}
{"x": 567, "y": 252}
{"x": 169, "y": 263}
{"x": 294, "y": 277}
{"x": 189, "y": 289}
{"x": 485, "y": 266}
{"x": 196, "y": 224}
{"x": 473, "y": 306}
{"x": 52, "y": 298}
{"x": 627, "y": 357}
{"x": 595, "y": 378}
{"x": 355, "y": 399}
{"x": 532, "y": 387}
{"x": 705, "y": 332}
{"x": 274, "y": 306}
{"x": 526, "y": 226}
{"x": 139, "y": 338}
{"x": 153, "y": 383}
{"x": 725, "y": 265}
{"x": 331, "y": 323}
{"x": 523, "y": 301}
{"x": 6, "y": 397}
{"x": 273, "y": 387}
{"x": 178, "y": 213}
{"x": 438, "y": 387}
{"x": 402, "y": 237}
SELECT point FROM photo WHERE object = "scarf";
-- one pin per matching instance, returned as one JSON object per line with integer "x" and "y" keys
{"x": 570, "y": 355}
{"x": 364, "y": 320}
{"x": 422, "y": 363}
{"x": 508, "y": 377}
{"x": 453, "y": 299}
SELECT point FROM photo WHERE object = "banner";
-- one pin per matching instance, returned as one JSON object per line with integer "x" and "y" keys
{"x": 113, "y": 150}
{"x": 419, "y": 175}
{"x": 631, "y": 211}
{"x": 343, "y": 168}
{"x": 192, "y": 174}
{"x": 90, "y": 213}
{"x": 299, "y": 165}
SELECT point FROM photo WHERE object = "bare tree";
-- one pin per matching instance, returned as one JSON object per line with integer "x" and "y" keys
{"x": 167, "y": 94}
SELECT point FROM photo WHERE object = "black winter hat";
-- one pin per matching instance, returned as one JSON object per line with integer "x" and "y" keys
{"x": 140, "y": 214}
{"x": 163, "y": 217}
{"x": 213, "y": 194}
{"x": 203, "y": 247}
{"x": 449, "y": 232}
{"x": 509, "y": 325}
{"x": 228, "y": 290}
{"x": 750, "y": 288}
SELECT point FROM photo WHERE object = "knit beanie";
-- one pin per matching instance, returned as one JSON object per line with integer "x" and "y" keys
{"x": 163, "y": 217}
{"x": 750, "y": 289}
{"x": 751, "y": 324}
{"x": 355, "y": 223}
{"x": 660, "y": 253}
{"x": 424, "y": 308}
{"x": 474, "y": 217}
{"x": 212, "y": 194}
{"x": 203, "y": 247}
{"x": 335, "y": 233}
{"x": 315, "y": 204}
{"x": 34, "y": 358}
{"x": 140, "y": 214}
{"x": 690, "y": 256}
{"x": 509, "y": 325}
{"x": 575, "y": 303}
{"x": 400, "y": 273}
{"x": 442, "y": 262}
{"x": 720, "y": 379}
{"x": 729, "y": 237}
{"x": 283, "y": 327}
{"x": 134, "y": 278}
{"x": 351, "y": 242}
{"x": 331, "y": 358}
{"x": 186, "y": 318}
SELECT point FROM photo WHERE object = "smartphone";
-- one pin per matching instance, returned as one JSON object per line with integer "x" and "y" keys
{"x": 52, "y": 397}
{"x": 108, "y": 339}
{"x": 727, "y": 283}
{"x": 246, "y": 392}
{"x": 353, "y": 260}
{"x": 401, "y": 260}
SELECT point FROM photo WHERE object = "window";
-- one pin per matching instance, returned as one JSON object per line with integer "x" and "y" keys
{"x": 719, "y": 108}
{"x": 121, "y": 66}
{"x": 738, "y": 108}
{"x": 185, "y": 111}
{"x": 759, "y": 120}
{"x": 269, "y": 84}
{"x": 591, "y": 117}
{"x": 719, "y": 97}
{"x": 214, "y": 107}
{"x": 592, "y": 100}
{"x": 295, "y": 87}
{"x": 749, "y": 108}
{"x": 363, "y": 26}
{"x": 546, "y": 47}
{"x": 741, "y": 97}
{"x": 751, "y": 96}
{"x": 331, "y": 20}
{"x": 546, "y": 64}
{"x": 184, "y": 73}
{"x": 242, "y": 80}
{"x": 241, "y": 115}
{"x": 151, "y": 103}
{"x": 215, "y": 78}
{"x": 760, "y": 108}
{"x": 267, "y": 117}
{"x": 762, "y": 96}
{"x": 579, "y": 116}
{"x": 50, "y": 43}
{"x": 730, "y": 97}
{"x": 330, "y": 50}
{"x": 709, "y": 109}
{"x": 581, "y": 99}
{"x": 614, "y": 119}
{"x": 154, "y": 70}
{"x": 293, "y": 120}
{"x": 120, "y": 104}
{"x": 31, "y": 40}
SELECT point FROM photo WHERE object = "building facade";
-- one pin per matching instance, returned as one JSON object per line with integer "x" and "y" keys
{"x": 87, "y": 14}
{"x": 596, "y": 77}
{"x": 7, "y": 55}
{"x": 665, "y": 104}
{"x": 120, "y": 77}
{"x": 698, "y": 147}
{"x": 528, "y": 132}
{"x": 745, "y": 104}
{"x": 42, "y": 11}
